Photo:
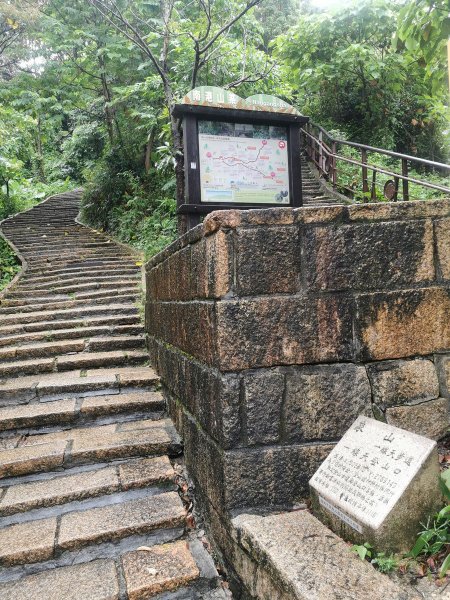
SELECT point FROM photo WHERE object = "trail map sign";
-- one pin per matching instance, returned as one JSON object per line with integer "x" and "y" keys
{"x": 238, "y": 153}
{"x": 243, "y": 163}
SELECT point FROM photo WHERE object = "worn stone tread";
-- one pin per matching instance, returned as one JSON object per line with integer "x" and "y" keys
{"x": 27, "y": 542}
{"x": 42, "y": 413}
{"x": 117, "y": 403}
{"x": 61, "y": 489}
{"x": 96, "y": 580}
{"x": 31, "y": 459}
{"x": 158, "y": 569}
{"x": 114, "y": 522}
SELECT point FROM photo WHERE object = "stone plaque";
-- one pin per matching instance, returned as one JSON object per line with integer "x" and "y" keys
{"x": 360, "y": 486}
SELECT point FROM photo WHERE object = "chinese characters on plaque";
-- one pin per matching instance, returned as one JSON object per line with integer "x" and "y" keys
{"x": 368, "y": 471}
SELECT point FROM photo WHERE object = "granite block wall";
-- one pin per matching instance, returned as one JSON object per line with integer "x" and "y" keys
{"x": 274, "y": 329}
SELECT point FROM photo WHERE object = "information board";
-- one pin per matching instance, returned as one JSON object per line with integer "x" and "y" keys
{"x": 243, "y": 163}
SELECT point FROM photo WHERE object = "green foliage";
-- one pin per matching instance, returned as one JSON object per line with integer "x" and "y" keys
{"x": 444, "y": 483}
{"x": 385, "y": 563}
{"x": 364, "y": 551}
{"x": 434, "y": 540}
{"x": 135, "y": 207}
{"x": 9, "y": 264}
{"x": 344, "y": 70}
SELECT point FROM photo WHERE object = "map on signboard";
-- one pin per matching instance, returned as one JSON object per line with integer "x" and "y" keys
{"x": 243, "y": 163}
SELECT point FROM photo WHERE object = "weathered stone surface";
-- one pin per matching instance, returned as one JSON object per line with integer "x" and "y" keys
{"x": 398, "y": 210}
{"x": 148, "y": 471}
{"x": 442, "y": 228}
{"x": 96, "y": 580}
{"x": 186, "y": 325}
{"x": 136, "y": 377}
{"x": 292, "y": 551}
{"x": 99, "y": 405}
{"x": 283, "y": 330}
{"x": 313, "y": 214}
{"x": 159, "y": 569}
{"x": 26, "y": 496}
{"x": 199, "y": 270}
{"x": 442, "y": 363}
{"x": 368, "y": 256}
{"x": 430, "y": 419}
{"x": 263, "y": 397}
{"x": 69, "y": 434}
{"x": 402, "y": 324}
{"x": 67, "y": 383}
{"x": 27, "y": 542}
{"x": 277, "y": 475}
{"x": 211, "y": 396}
{"x": 268, "y": 260}
{"x": 121, "y": 444}
{"x": 120, "y": 520}
{"x": 323, "y": 401}
{"x": 61, "y": 411}
{"x": 403, "y": 382}
{"x": 32, "y": 459}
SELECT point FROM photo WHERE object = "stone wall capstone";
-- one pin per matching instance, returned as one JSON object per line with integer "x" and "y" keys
{"x": 272, "y": 330}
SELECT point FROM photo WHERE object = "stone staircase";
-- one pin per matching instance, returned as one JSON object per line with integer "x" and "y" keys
{"x": 313, "y": 192}
{"x": 88, "y": 458}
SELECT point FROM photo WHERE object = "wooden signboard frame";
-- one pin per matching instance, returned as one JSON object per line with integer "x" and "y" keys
{"x": 191, "y": 205}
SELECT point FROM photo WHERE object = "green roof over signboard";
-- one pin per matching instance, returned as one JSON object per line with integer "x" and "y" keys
{"x": 208, "y": 95}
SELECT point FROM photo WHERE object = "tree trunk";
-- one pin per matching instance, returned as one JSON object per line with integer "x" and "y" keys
{"x": 39, "y": 154}
{"x": 148, "y": 150}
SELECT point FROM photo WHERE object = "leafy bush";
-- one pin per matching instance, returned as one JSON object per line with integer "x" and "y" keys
{"x": 9, "y": 264}
{"x": 434, "y": 540}
{"x": 136, "y": 207}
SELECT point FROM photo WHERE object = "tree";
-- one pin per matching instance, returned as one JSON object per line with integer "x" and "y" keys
{"x": 159, "y": 30}
{"x": 424, "y": 29}
{"x": 345, "y": 72}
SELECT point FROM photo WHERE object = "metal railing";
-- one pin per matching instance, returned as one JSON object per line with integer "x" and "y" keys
{"x": 323, "y": 150}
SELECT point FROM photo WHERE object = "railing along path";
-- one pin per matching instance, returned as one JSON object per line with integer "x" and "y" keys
{"x": 324, "y": 154}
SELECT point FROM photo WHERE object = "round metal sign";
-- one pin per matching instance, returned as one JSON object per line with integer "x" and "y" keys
{"x": 389, "y": 189}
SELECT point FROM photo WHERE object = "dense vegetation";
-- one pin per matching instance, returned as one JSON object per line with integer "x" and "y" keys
{"x": 87, "y": 89}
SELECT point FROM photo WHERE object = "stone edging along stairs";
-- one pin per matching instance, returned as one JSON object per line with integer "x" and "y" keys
{"x": 86, "y": 451}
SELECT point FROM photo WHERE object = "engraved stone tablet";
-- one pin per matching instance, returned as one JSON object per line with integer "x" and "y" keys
{"x": 377, "y": 485}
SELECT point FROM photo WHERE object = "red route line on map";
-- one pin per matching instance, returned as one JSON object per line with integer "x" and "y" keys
{"x": 243, "y": 162}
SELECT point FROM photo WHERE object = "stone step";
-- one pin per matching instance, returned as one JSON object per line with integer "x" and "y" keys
{"x": 78, "y": 287}
{"x": 68, "y": 334}
{"x": 129, "y": 318}
{"x": 71, "y": 280}
{"x": 67, "y": 362}
{"x": 98, "y": 266}
{"x": 161, "y": 569}
{"x": 40, "y": 540}
{"x": 77, "y": 446}
{"x": 63, "y": 304}
{"x": 76, "y": 486}
{"x": 74, "y": 383}
{"x": 84, "y": 274}
{"x": 55, "y": 348}
{"x": 73, "y": 313}
{"x": 24, "y": 298}
{"x": 63, "y": 412}
{"x": 95, "y": 580}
